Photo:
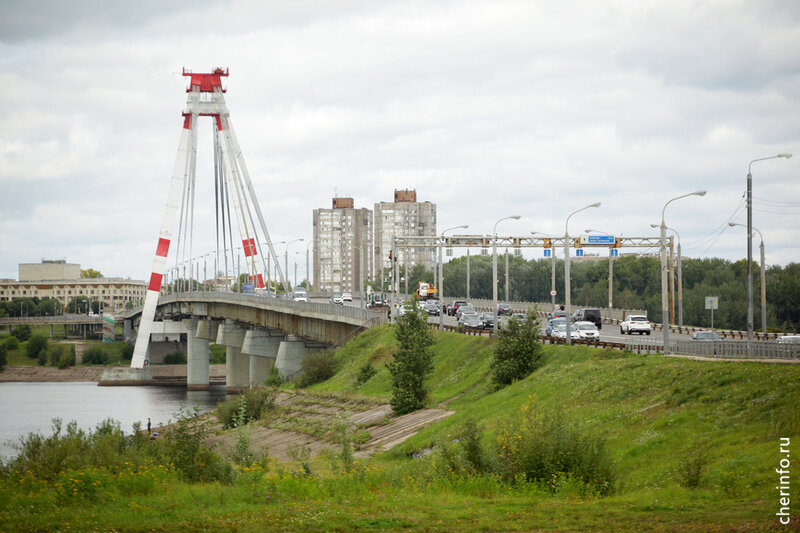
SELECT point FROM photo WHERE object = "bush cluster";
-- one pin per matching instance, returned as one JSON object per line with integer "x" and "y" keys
{"x": 3, "y": 356}
{"x": 316, "y": 368}
{"x": 542, "y": 448}
{"x": 175, "y": 358}
{"x": 217, "y": 354}
{"x": 518, "y": 351}
{"x": 36, "y": 345}
{"x": 67, "y": 358}
{"x": 365, "y": 373}
{"x": 22, "y": 333}
{"x": 248, "y": 407}
{"x": 95, "y": 356}
{"x": 126, "y": 352}
{"x": 12, "y": 343}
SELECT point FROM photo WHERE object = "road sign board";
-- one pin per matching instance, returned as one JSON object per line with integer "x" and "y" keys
{"x": 597, "y": 239}
{"x": 547, "y": 252}
{"x": 553, "y": 293}
{"x": 614, "y": 252}
{"x": 712, "y": 302}
{"x": 578, "y": 253}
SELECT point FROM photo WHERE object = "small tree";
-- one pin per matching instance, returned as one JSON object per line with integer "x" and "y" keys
{"x": 22, "y": 333}
{"x": 3, "y": 356}
{"x": 413, "y": 362}
{"x": 36, "y": 345}
{"x": 518, "y": 351}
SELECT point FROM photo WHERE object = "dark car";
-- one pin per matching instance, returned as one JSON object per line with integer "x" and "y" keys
{"x": 470, "y": 321}
{"x": 487, "y": 319}
{"x": 589, "y": 315}
{"x": 451, "y": 310}
{"x": 504, "y": 309}
{"x": 432, "y": 309}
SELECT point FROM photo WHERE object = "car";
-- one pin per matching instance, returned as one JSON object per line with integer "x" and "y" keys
{"x": 431, "y": 308}
{"x": 470, "y": 321}
{"x": 587, "y": 330}
{"x": 453, "y": 307}
{"x": 789, "y": 339}
{"x": 464, "y": 309}
{"x": 487, "y": 319}
{"x": 521, "y": 316}
{"x": 337, "y": 299}
{"x": 635, "y": 324}
{"x": 504, "y": 309}
{"x": 560, "y": 332}
{"x": 589, "y": 315}
{"x": 553, "y": 324}
{"x": 706, "y": 336}
{"x": 347, "y": 297}
{"x": 300, "y": 296}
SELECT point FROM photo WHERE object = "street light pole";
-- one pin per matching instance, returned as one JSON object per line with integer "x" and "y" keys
{"x": 665, "y": 321}
{"x": 494, "y": 266}
{"x": 567, "y": 282}
{"x": 552, "y": 273}
{"x": 286, "y": 265}
{"x": 750, "y": 242}
{"x": 763, "y": 279}
{"x": 680, "y": 275}
{"x": 441, "y": 276}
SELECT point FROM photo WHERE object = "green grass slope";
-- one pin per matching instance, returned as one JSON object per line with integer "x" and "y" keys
{"x": 653, "y": 411}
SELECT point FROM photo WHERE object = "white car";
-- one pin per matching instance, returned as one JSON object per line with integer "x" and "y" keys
{"x": 347, "y": 297}
{"x": 336, "y": 299}
{"x": 560, "y": 332}
{"x": 300, "y": 296}
{"x": 587, "y": 330}
{"x": 635, "y": 324}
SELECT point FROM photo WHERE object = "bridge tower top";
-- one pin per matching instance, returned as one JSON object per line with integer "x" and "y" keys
{"x": 206, "y": 82}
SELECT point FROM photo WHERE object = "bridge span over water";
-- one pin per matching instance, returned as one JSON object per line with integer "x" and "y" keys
{"x": 257, "y": 332}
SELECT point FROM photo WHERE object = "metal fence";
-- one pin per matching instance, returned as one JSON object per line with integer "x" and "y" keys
{"x": 722, "y": 349}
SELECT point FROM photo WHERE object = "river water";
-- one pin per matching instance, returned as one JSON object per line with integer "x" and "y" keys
{"x": 30, "y": 407}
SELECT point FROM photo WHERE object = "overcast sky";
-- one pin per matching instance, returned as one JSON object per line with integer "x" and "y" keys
{"x": 487, "y": 109}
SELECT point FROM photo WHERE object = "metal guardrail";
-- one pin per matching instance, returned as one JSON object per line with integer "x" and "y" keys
{"x": 57, "y": 319}
{"x": 722, "y": 349}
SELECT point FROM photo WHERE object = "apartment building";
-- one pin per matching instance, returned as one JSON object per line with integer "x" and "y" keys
{"x": 342, "y": 247}
{"x": 405, "y": 216}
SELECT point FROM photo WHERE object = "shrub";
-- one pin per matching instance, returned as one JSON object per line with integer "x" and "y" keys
{"x": 95, "y": 356}
{"x": 217, "y": 354}
{"x": 316, "y": 368}
{"x": 692, "y": 467}
{"x": 3, "y": 356}
{"x": 413, "y": 361}
{"x": 274, "y": 379}
{"x": 186, "y": 452}
{"x": 365, "y": 373}
{"x": 518, "y": 351}
{"x": 549, "y": 450}
{"x": 42, "y": 358}
{"x": 175, "y": 358}
{"x": 12, "y": 343}
{"x": 248, "y": 407}
{"x": 54, "y": 354}
{"x": 127, "y": 351}
{"x": 36, "y": 344}
{"x": 22, "y": 333}
{"x": 67, "y": 357}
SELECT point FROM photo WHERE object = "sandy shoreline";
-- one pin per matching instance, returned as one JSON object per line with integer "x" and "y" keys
{"x": 89, "y": 373}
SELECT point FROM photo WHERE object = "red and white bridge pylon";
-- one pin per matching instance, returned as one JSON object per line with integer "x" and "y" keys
{"x": 206, "y": 99}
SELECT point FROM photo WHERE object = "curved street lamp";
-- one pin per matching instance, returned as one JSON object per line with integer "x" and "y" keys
{"x": 680, "y": 275}
{"x": 750, "y": 242}
{"x": 494, "y": 265}
{"x": 567, "y": 283}
{"x": 441, "y": 275}
{"x": 665, "y": 321}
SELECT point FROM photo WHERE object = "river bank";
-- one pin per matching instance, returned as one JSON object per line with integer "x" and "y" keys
{"x": 49, "y": 374}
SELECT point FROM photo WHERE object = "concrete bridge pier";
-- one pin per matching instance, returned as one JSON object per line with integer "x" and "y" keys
{"x": 197, "y": 369}
{"x": 262, "y": 346}
{"x": 291, "y": 353}
{"x": 237, "y": 365}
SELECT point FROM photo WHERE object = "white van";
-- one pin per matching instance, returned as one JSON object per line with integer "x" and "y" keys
{"x": 789, "y": 339}
{"x": 300, "y": 296}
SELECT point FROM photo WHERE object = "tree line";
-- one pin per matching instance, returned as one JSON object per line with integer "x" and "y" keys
{"x": 636, "y": 285}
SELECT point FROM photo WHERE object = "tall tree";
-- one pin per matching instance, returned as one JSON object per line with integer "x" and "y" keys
{"x": 413, "y": 362}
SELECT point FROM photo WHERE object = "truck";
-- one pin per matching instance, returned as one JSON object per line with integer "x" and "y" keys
{"x": 427, "y": 291}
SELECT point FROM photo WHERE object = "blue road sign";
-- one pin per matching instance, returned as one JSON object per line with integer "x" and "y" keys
{"x": 614, "y": 252}
{"x": 578, "y": 253}
{"x": 597, "y": 239}
{"x": 547, "y": 252}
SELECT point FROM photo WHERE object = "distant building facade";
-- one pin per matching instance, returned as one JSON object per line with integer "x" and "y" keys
{"x": 404, "y": 217}
{"x": 342, "y": 247}
{"x": 62, "y": 281}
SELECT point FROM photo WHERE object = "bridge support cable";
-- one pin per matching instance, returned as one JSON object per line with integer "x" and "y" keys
{"x": 231, "y": 180}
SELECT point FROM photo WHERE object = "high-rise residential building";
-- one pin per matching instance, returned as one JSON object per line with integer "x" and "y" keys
{"x": 403, "y": 217}
{"x": 342, "y": 247}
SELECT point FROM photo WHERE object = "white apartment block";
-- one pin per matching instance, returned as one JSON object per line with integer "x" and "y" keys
{"x": 404, "y": 217}
{"x": 342, "y": 247}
